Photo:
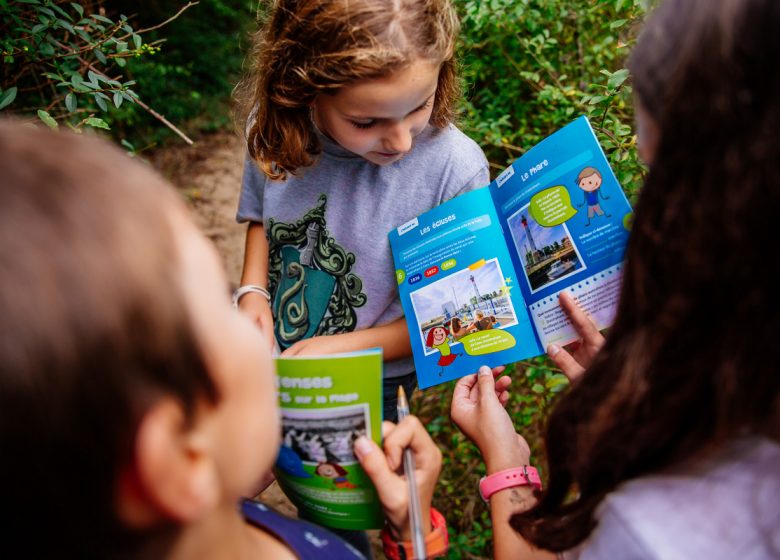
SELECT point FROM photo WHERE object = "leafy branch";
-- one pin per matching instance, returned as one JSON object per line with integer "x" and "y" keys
{"x": 59, "y": 58}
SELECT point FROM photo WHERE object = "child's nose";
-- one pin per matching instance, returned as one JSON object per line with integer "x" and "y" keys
{"x": 399, "y": 138}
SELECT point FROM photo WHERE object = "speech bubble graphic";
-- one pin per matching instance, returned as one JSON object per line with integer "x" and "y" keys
{"x": 628, "y": 221}
{"x": 551, "y": 207}
{"x": 487, "y": 342}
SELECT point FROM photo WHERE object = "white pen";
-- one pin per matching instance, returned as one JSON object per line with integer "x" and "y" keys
{"x": 415, "y": 515}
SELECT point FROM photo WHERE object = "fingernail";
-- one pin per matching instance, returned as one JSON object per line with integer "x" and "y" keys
{"x": 363, "y": 447}
{"x": 484, "y": 370}
{"x": 552, "y": 350}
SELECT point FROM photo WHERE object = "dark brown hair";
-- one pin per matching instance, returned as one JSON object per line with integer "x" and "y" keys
{"x": 688, "y": 364}
{"x": 94, "y": 329}
{"x": 311, "y": 47}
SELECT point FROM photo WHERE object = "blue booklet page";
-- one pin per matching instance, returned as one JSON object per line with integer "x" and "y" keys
{"x": 479, "y": 276}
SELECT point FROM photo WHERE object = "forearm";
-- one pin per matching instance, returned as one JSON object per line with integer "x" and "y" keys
{"x": 500, "y": 454}
{"x": 393, "y": 338}
{"x": 255, "y": 256}
{"x": 507, "y": 543}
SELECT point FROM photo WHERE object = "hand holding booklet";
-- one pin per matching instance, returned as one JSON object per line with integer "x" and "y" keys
{"x": 479, "y": 276}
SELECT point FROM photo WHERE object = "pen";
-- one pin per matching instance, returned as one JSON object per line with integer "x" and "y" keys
{"x": 415, "y": 515}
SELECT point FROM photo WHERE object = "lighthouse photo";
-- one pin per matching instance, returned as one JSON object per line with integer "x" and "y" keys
{"x": 547, "y": 253}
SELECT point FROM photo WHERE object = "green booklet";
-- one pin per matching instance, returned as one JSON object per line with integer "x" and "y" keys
{"x": 326, "y": 403}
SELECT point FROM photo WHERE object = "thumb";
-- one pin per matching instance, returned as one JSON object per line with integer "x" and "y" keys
{"x": 486, "y": 382}
{"x": 569, "y": 366}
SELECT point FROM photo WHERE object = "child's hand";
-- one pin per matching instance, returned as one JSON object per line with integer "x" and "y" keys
{"x": 256, "y": 306}
{"x": 383, "y": 469}
{"x": 478, "y": 410}
{"x": 317, "y": 345}
{"x": 573, "y": 365}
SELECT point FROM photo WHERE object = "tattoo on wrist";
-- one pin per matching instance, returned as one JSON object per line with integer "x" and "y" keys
{"x": 522, "y": 499}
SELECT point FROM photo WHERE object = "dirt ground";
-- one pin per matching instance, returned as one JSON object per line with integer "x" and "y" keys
{"x": 208, "y": 174}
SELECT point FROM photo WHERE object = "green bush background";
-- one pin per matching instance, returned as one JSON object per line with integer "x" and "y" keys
{"x": 529, "y": 67}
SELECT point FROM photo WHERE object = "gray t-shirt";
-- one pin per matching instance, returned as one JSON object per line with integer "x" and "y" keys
{"x": 727, "y": 508}
{"x": 330, "y": 266}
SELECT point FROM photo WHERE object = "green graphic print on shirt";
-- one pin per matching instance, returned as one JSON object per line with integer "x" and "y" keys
{"x": 310, "y": 276}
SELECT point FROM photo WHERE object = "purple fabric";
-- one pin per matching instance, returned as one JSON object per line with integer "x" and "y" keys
{"x": 305, "y": 539}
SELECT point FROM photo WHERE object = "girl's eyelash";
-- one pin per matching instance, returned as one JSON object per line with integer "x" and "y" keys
{"x": 357, "y": 124}
{"x": 424, "y": 105}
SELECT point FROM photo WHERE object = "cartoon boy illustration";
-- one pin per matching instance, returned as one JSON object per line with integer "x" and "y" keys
{"x": 438, "y": 338}
{"x": 336, "y": 473}
{"x": 589, "y": 180}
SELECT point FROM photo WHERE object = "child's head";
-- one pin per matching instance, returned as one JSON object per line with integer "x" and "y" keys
{"x": 688, "y": 364}
{"x": 134, "y": 402}
{"x": 589, "y": 179}
{"x": 436, "y": 336}
{"x": 312, "y": 54}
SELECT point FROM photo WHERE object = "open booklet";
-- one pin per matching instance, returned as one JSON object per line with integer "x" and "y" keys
{"x": 326, "y": 403}
{"x": 479, "y": 275}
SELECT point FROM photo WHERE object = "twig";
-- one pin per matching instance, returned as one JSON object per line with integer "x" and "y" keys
{"x": 141, "y": 104}
{"x": 169, "y": 20}
{"x": 161, "y": 118}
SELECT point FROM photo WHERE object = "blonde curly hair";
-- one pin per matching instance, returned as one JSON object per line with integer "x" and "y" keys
{"x": 306, "y": 48}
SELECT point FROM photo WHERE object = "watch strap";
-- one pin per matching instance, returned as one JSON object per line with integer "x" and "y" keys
{"x": 436, "y": 543}
{"x": 508, "y": 478}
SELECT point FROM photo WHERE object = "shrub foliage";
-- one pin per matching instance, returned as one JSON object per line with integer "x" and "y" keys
{"x": 530, "y": 66}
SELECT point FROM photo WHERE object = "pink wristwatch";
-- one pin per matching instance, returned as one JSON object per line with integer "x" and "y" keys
{"x": 517, "y": 476}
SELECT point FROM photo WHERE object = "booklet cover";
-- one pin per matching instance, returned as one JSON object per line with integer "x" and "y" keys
{"x": 327, "y": 402}
{"x": 479, "y": 276}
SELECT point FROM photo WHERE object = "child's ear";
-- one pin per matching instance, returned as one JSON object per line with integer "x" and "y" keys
{"x": 172, "y": 476}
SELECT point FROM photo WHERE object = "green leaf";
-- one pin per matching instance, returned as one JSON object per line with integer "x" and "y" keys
{"x": 137, "y": 41}
{"x": 47, "y": 119}
{"x": 71, "y": 102}
{"x": 38, "y": 28}
{"x": 95, "y": 122}
{"x": 48, "y": 12}
{"x": 78, "y": 8}
{"x": 616, "y": 79}
{"x": 100, "y": 56}
{"x": 46, "y": 49}
{"x": 618, "y": 23}
{"x": 7, "y": 97}
{"x": 62, "y": 12}
{"x": 65, "y": 25}
{"x": 121, "y": 62}
{"x": 100, "y": 102}
{"x": 104, "y": 19}
{"x": 118, "y": 99}
{"x": 93, "y": 77}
